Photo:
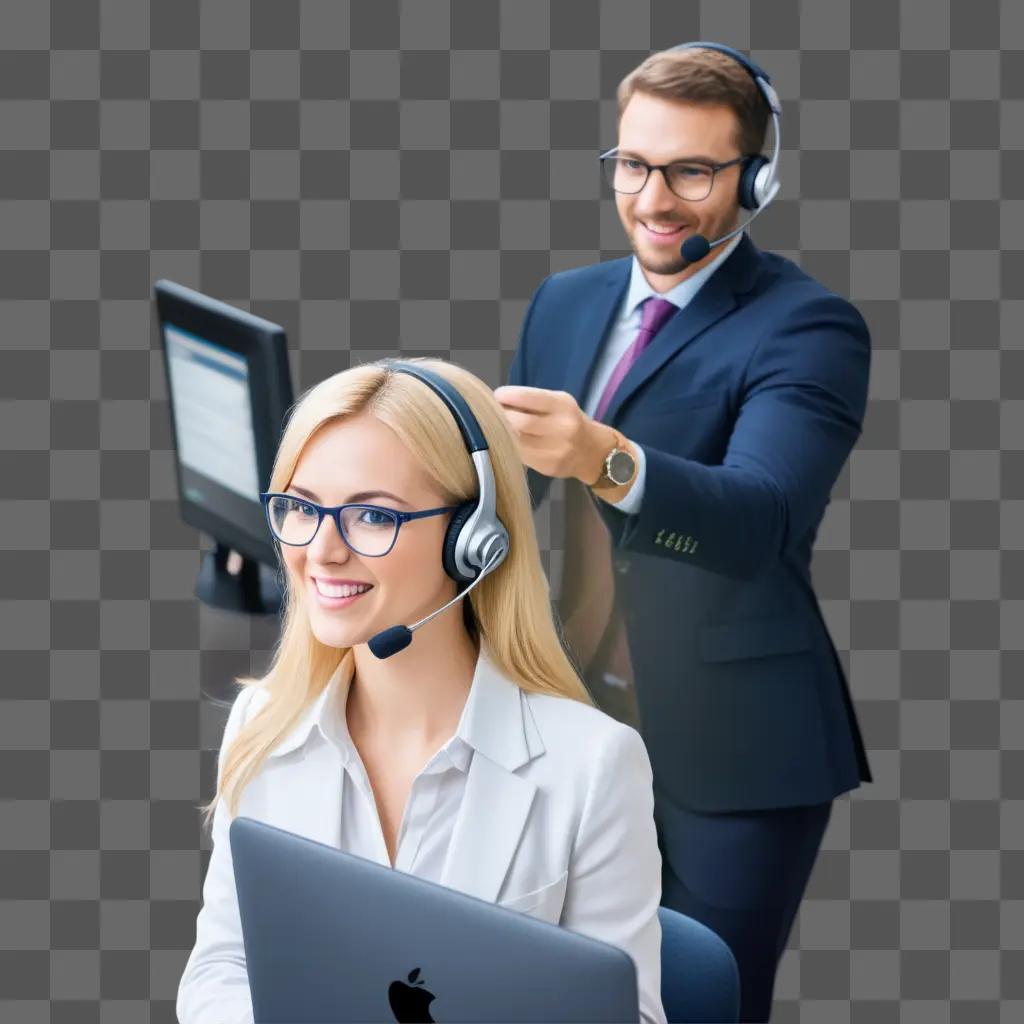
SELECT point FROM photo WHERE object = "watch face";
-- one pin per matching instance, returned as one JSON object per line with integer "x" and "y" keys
{"x": 621, "y": 468}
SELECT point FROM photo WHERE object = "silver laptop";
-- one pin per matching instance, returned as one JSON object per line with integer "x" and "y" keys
{"x": 332, "y": 937}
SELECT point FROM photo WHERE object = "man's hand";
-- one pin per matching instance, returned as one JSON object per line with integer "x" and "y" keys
{"x": 555, "y": 436}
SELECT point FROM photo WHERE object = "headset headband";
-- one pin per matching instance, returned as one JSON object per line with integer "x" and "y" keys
{"x": 760, "y": 76}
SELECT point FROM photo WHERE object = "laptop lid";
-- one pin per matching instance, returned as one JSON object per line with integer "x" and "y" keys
{"x": 330, "y": 936}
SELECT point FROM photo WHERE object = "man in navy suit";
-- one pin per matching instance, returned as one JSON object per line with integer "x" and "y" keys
{"x": 710, "y": 457}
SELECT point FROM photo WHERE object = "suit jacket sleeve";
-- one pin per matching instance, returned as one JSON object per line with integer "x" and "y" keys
{"x": 520, "y": 374}
{"x": 615, "y": 874}
{"x": 801, "y": 412}
{"x": 215, "y": 984}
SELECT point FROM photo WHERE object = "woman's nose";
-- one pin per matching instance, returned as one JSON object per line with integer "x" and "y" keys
{"x": 329, "y": 538}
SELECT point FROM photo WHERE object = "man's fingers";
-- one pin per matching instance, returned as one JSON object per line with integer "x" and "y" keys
{"x": 517, "y": 396}
{"x": 527, "y": 424}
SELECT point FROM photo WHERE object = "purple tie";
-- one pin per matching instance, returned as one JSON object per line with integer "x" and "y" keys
{"x": 656, "y": 312}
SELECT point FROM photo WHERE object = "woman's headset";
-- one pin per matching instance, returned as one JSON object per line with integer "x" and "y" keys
{"x": 475, "y": 534}
{"x": 476, "y": 541}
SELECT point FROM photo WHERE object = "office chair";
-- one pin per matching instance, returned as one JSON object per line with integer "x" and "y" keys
{"x": 699, "y": 977}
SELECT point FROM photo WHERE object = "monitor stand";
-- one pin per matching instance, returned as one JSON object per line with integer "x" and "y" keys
{"x": 243, "y": 586}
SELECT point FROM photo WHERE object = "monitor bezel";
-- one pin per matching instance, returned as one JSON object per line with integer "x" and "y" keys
{"x": 263, "y": 344}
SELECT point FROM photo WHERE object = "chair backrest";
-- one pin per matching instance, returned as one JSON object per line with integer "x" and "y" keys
{"x": 699, "y": 977}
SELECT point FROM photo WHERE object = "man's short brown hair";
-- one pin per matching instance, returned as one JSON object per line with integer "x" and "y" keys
{"x": 709, "y": 77}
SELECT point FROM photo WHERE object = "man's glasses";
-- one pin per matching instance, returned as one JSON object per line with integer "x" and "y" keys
{"x": 369, "y": 530}
{"x": 691, "y": 180}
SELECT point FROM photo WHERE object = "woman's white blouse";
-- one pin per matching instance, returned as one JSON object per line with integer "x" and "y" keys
{"x": 429, "y": 816}
{"x": 538, "y": 803}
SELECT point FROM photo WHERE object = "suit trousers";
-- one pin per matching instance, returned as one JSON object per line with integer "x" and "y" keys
{"x": 743, "y": 874}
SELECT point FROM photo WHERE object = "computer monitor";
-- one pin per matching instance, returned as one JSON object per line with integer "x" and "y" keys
{"x": 229, "y": 390}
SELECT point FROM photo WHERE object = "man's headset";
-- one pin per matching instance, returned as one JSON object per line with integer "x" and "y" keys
{"x": 476, "y": 541}
{"x": 759, "y": 181}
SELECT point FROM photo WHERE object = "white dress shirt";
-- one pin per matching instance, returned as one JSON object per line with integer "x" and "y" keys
{"x": 541, "y": 804}
{"x": 623, "y": 333}
{"x": 431, "y": 806}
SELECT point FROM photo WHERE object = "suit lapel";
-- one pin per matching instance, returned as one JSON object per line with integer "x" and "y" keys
{"x": 716, "y": 298}
{"x": 592, "y": 326}
{"x": 709, "y": 305}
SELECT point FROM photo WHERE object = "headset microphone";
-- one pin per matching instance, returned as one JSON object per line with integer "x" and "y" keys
{"x": 696, "y": 247}
{"x": 397, "y": 638}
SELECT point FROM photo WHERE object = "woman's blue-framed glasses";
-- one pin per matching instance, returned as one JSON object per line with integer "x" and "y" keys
{"x": 369, "y": 530}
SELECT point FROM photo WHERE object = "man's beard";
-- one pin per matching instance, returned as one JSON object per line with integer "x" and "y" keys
{"x": 672, "y": 261}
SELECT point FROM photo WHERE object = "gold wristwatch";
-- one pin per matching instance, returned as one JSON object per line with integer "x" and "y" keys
{"x": 619, "y": 466}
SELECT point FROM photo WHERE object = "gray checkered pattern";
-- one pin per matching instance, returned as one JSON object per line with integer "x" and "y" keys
{"x": 379, "y": 176}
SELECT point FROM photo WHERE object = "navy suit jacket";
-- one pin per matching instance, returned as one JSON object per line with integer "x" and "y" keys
{"x": 747, "y": 405}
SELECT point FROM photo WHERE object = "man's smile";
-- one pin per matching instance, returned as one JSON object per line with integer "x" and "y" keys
{"x": 662, "y": 233}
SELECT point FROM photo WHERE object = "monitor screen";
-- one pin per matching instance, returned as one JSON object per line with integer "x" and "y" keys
{"x": 229, "y": 391}
{"x": 209, "y": 388}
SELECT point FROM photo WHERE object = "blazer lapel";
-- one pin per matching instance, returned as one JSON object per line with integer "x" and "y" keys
{"x": 494, "y": 809}
{"x": 716, "y": 298}
{"x": 592, "y": 326}
{"x": 496, "y": 802}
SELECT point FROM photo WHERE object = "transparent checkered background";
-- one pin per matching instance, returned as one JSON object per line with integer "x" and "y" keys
{"x": 379, "y": 177}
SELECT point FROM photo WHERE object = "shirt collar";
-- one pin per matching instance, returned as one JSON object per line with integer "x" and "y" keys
{"x": 640, "y": 288}
{"x": 495, "y": 719}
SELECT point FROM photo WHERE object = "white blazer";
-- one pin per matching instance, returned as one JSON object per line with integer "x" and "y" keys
{"x": 556, "y": 821}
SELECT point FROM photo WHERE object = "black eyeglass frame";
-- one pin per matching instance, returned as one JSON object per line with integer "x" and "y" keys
{"x": 613, "y": 154}
{"x": 334, "y": 511}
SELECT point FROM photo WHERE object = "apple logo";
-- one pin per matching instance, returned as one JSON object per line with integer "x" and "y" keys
{"x": 410, "y": 1003}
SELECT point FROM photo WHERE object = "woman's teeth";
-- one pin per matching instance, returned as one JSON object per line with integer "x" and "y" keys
{"x": 344, "y": 590}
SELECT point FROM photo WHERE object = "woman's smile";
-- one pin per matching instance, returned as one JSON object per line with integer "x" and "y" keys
{"x": 333, "y": 597}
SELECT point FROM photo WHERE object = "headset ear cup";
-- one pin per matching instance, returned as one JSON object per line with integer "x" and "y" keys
{"x": 748, "y": 193}
{"x": 451, "y": 537}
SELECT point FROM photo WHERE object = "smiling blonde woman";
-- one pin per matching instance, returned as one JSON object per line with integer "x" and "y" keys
{"x": 473, "y": 757}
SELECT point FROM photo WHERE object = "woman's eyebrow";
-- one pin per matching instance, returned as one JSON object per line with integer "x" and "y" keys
{"x": 359, "y": 496}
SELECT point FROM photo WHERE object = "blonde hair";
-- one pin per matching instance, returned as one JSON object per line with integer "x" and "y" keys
{"x": 510, "y": 609}
{"x": 704, "y": 76}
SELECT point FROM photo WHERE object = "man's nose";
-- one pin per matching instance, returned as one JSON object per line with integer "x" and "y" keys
{"x": 656, "y": 195}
